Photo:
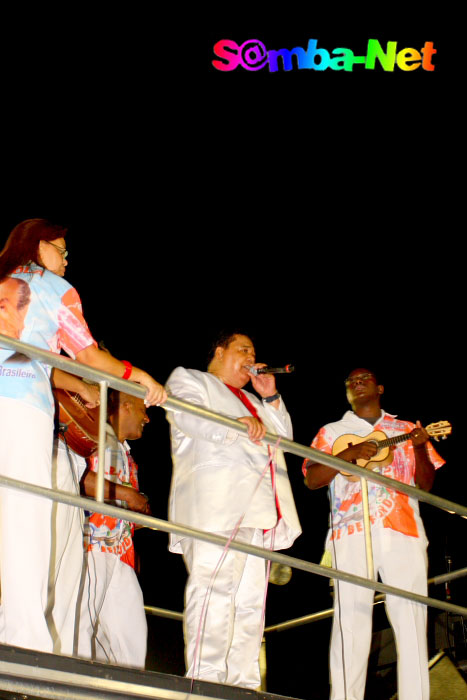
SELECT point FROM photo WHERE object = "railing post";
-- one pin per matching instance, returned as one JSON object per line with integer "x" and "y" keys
{"x": 103, "y": 386}
{"x": 263, "y": 664}
{"x": 370, "y": 567}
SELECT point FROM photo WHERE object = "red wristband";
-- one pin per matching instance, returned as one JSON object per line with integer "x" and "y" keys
{"x": 128, "y": 369}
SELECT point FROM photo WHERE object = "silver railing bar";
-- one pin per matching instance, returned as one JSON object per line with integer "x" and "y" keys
{"x": 71, "y": 366}
{"x": 443, "y": 578}
{"x": 298, "y": 621}
{"x": 323, "y": 614}
{"x": 162, "y": 612}
{"x": 56, "y": 684}
{"x": 305, "y": 619}
{"x": 100, "y": 486}
{"x": 173, "y": 404}
{"x": 184, "y": 531}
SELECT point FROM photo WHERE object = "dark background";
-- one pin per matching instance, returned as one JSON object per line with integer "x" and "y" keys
{"x": 317, "y": 210}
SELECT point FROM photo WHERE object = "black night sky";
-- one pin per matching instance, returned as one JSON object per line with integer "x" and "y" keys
{"x": 318, "y": 210}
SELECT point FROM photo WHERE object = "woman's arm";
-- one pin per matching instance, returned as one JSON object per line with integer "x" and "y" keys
{"x": 99, "y": 359}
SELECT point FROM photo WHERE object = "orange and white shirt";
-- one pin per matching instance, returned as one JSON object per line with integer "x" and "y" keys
{"x": 102, "y": 533}
{"x": 388, "y": 508}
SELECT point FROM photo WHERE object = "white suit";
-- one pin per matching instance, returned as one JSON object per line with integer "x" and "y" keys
{"x": 216, "y": 471}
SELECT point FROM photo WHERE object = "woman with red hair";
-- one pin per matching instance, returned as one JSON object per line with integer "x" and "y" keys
{"x": 38, "y": 306}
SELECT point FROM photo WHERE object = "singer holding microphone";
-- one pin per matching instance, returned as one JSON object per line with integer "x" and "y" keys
{"x": 217, "y": 487}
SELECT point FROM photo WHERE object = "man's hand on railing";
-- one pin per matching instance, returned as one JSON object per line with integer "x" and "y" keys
{"x": 256, "y": 429}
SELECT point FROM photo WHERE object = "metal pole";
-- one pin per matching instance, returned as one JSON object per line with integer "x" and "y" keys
{"x": 263, "y": 665}
{"x": 448, "y": 577}
{"x": 305, "y": 619}
{"x": 370, "y": 567}
{"x": 162, "y": 612}
{"x": 298, "y": 621}
{"x": 323, "y": 614}
{"x": 103, "y": 385}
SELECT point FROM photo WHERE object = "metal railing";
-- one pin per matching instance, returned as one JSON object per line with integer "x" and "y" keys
{"x": 173, "y": 404}
{"x": 323, "y": 614}
{"x": 304, "y": 619}
{"x": 286, "y": 445}
{"x": 165, "y": 526}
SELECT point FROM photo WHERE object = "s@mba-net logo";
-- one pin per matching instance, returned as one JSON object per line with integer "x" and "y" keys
{"x": 253, "y": 55}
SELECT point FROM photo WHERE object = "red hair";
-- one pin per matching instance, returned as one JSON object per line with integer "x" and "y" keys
{"x": 22, "y": 246}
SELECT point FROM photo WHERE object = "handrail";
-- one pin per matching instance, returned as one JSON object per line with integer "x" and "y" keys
{"x": 305, "y": 619}
{"x": 450, "y": 576}
{"x": 162, "y": 612}
{"x": 185, "y": 531}
{"x": 323, "y": 614}
{"x": 174, "y": 404}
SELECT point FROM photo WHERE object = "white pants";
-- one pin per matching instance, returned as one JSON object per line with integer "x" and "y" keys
{"x": 112, "y": 621}
{"x": 228, "y": 646}
{"x": 67, "y": 548}
{"x": 401, "y": 562}
{"x": 26, "y": 437}
{"x": 40, "y": 540}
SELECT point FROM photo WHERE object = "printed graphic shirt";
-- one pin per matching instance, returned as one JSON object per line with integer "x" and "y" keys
{"x": 388, "y": 508}
{"x": 101, "y": 532}
{"x": 42, "y": 309}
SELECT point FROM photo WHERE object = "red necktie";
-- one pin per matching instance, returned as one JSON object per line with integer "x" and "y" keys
{"x": 247, "y": 403}
{"x": 245, "y": 400}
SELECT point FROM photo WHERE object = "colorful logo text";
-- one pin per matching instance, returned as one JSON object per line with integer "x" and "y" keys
{"x": 252, "y": 55}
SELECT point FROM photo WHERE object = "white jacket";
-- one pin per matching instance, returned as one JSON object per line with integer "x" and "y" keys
{"x": 216, "y": 470}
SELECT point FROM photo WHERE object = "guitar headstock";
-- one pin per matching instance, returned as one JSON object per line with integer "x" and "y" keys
{"x": 439, "y": 430}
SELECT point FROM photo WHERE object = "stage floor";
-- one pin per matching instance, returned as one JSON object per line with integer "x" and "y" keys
{"x": 27, "y": 675}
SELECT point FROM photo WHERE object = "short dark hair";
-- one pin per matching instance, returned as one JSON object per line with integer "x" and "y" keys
{"x": 113, "y": 402}
{"x": 224, "y": 338}
{"x": 116, "y": 398}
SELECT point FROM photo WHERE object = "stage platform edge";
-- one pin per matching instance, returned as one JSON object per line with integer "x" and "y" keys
{"x": 30, "y": 675}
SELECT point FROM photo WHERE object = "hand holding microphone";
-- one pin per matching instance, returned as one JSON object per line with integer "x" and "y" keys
{"x": 264, "y": 382}
{"x": 287, "y": 369}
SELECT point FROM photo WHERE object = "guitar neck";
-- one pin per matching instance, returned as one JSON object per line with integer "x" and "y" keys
{"x": 393, "y": 440}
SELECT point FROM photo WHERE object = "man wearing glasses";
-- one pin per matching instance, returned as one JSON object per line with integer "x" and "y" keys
{"x": 398, "y": 540}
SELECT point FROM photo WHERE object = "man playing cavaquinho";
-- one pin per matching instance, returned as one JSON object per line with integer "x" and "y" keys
{"x": 398, "y": 539}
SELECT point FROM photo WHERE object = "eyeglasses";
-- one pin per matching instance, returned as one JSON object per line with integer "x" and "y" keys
{"x": 63, "y": 251}
{"x": 359, "y": 378}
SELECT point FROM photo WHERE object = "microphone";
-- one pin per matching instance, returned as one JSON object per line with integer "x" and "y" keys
{"x": 270, "y": 370}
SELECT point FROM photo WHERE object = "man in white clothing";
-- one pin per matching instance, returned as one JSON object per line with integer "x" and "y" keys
{"x": 398, "y": 539}
{"x": 217, "y": 486}
{"x": 112, "y": 620}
